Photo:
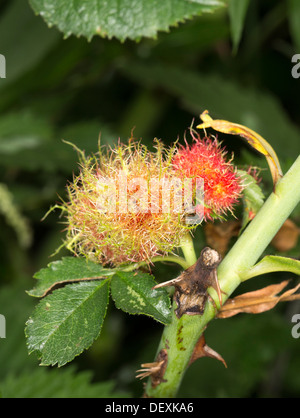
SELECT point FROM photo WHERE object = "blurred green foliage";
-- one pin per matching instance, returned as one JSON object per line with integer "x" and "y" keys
{"x": 77, "y": 90}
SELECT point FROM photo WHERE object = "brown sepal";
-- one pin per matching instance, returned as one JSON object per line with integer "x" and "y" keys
{"x": 287, "y": 236}
{"x": 219, "y": 235}
{"x": 258, "y": 301}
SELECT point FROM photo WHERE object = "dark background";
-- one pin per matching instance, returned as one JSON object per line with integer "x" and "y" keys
{"x": 73, "y": 89}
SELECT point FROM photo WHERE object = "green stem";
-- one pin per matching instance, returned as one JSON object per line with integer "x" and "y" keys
{"x": 272, "y": 263}
{"x": 180, "y": 337}
{"x": 187, "y": 246}
{"x": 172, "y": 258}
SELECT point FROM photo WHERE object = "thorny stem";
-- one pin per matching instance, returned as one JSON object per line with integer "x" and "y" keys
{"x": 181, "y": 335}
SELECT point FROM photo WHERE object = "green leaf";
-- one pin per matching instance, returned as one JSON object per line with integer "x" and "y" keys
{"x": 294, "y": 16}
{"x": 237, "y": 12}
{"x": 67, "y": 322}
{"x": 122, "y": 19}
{"x": 55, "y": 383}
{"x": 253, "y": 197}
{"x": 66, "y": 270}
{"x": 134, "y": 294}
{"x": 271, "y": 264}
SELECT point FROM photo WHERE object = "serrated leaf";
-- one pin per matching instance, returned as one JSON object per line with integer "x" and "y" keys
{"x": 122, "y": 19}
{"x": 253, "y": 197}
{"x": 66, "y": 270}
{"x": 271, "y": 264}
{"x": 67, "y": 322}
{"x": 134, "y": 294}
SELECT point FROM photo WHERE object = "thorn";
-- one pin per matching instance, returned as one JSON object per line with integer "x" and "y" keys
{"x": 203, "y": 350}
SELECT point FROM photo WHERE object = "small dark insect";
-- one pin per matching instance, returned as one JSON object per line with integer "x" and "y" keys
{"x": 191, "y": 286}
